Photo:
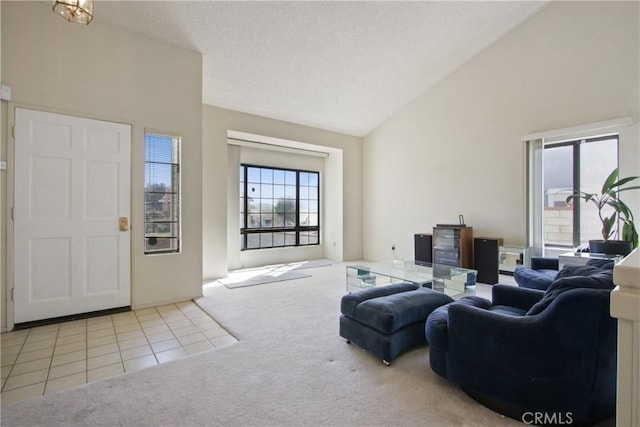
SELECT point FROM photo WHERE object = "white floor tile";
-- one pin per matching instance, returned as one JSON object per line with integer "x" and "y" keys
{"x": 187, "y": 330}
{"x": 35, "y": 365}
{"x": 23, "y": 393}
{"x": 134, "y": 353}
{"x": 99, "y": 342}
{"x": 127, "y": 327}
{"x": 105, "y": 372}
{"x": 17, "y": 381}
{"x": 68, "y": 348}
{"x": 33, "y": 355}
{"x": 140, "y": 363}
{"x": 65, "y": 382}
{"x": 215, "y": 333}
{"x": 102, "y": 350}
{"x": 74, "y": 356}
{"x": 56, "y": 357}
{"x": 39, "y": 345}
{"x": 198, "y": 347}
{"x": 104, "y": 360}
{"x": 163, "y": 336}
{"x": 136, "y": 342}
{"x": 70, "y": 339}
{"x": 72, "y": 331}
{"x": 101, "y": 333}
{"x": 10, "y": 360}
{"x": 168, "y": 355}
{"x": 165, "y": 345}
{"x": 67, "y": 369}
{"x": 37, "y": 338}
{"x": 191, "y": 339}
{"x": 223, "y": 341}
{"x": 156, "y": 329}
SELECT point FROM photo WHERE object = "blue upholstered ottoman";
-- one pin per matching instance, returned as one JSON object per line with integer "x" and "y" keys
{"x": 388, "y": 320}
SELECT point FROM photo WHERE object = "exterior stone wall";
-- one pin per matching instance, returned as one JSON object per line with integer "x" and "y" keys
{"x": 558, "y": 225}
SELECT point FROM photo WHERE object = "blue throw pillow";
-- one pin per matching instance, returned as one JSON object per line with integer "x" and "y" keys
{"x": 592, "y": 278}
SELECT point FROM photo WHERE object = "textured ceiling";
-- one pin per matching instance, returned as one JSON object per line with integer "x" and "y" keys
{"x": 341, "y": 66}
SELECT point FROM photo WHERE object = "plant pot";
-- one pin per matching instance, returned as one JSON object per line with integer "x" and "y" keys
{"x": 610, "y": 247}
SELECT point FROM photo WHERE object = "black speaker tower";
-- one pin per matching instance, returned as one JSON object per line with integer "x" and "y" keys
{"x": 423, "y": 245}
{"x": 485, "y": 259}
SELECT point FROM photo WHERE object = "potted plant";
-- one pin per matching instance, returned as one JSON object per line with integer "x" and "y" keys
{"x": 620, "y": 224}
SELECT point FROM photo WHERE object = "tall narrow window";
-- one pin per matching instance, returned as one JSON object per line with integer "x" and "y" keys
{"x": 278, "y": 207}
{"x": 161, "y": 194}
{"x": 569, "y": 167}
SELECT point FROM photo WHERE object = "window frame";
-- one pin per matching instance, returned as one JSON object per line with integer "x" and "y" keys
{"x": 576, "y": 144}
{"x": 297, "y": 229}
{"x": 175, "y": 221}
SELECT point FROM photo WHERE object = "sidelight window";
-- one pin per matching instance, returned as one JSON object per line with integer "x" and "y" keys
{"x": 161, "y": 194}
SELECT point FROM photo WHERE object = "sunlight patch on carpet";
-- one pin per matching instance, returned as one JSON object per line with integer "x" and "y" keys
{"x": 241, "y": 279}
{"x": 269, "y": 274}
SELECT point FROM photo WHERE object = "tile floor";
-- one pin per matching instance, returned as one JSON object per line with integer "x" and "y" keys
{"x": 50, "y": 358}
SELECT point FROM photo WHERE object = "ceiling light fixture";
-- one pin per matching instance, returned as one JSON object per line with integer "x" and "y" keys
{"x": 79, "y": 11}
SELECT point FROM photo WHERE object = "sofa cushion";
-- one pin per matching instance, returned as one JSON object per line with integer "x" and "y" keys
{"x": 392, "y": 312}
{"x": 534, "y": 279}
{"x": 593, "y": 278}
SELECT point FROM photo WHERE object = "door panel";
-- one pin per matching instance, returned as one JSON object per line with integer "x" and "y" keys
{"x": 101, "y": 264}
{"x": 51, "y": 280}
{"x": 72, "y": 184}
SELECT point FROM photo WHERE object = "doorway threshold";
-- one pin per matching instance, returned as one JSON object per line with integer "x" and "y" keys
{"x": 70, "y": 318}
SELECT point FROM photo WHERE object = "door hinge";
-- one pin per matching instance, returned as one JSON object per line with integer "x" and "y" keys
{"x": 13, "y": 132}
{"x": 12, "y": 289}
{"x": 13, "y": 218}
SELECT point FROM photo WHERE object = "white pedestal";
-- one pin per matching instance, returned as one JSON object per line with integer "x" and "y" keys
{"x": 625, "y": 305}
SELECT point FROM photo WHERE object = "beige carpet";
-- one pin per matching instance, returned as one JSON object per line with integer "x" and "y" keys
{"x": 290, "y": 368}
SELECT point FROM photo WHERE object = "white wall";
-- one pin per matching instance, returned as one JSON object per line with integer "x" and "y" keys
{"x": 456, "y": 148}
{"x": 104, "y": 72}
{"x": 343, "y": 221}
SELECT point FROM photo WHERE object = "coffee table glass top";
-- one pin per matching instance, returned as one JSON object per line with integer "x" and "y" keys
{"x": 453, "y": 281}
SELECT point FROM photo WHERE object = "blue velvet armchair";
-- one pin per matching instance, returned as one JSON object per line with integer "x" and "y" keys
{"x": 530, "y": 351}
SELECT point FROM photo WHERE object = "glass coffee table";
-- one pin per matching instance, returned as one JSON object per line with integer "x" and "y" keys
{"x": 453, "y": 281}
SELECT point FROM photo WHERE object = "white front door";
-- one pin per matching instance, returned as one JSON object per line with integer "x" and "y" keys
{"x": 72, "y": 190}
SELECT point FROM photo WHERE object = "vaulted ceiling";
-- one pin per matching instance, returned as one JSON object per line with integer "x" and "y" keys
{"x": 341, "y": 66}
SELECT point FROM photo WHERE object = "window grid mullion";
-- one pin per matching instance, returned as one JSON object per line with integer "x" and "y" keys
{"x": 576, "y": 187}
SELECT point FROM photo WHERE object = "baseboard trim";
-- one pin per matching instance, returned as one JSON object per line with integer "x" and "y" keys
{"x": 61, "y": 319}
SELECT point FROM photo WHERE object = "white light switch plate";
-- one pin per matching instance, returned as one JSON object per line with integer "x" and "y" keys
{"x": 5, "y": 93}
